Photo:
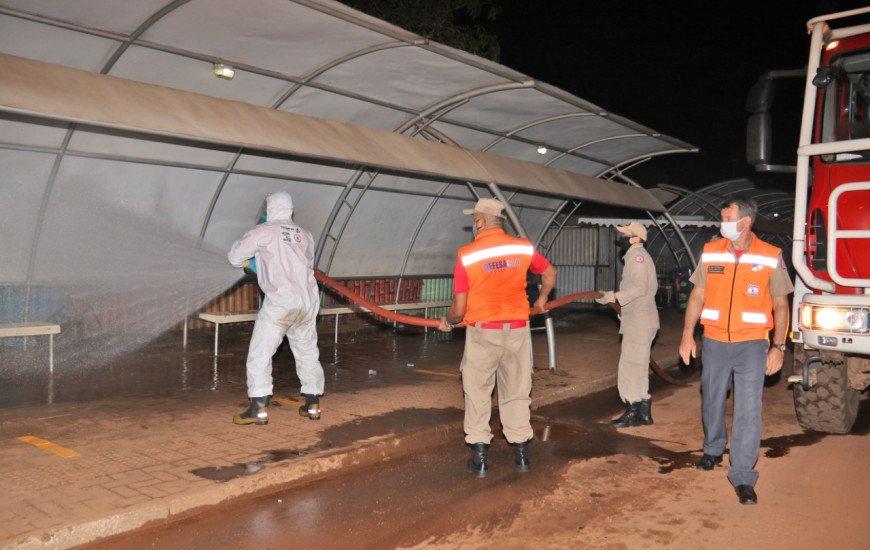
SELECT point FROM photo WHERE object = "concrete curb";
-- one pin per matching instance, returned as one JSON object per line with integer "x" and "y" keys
{"x": 274, "y": 477}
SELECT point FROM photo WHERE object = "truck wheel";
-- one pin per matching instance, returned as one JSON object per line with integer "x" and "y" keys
{"x": 831, "y": 404}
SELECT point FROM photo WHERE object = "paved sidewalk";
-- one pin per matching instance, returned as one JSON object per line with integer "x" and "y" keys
{"x": 73, "y": 473}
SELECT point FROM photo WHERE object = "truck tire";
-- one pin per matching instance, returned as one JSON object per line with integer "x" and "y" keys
{"x": 831, "y": 404}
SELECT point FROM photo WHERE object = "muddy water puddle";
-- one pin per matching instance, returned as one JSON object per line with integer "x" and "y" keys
{"x": 372, "y": 357}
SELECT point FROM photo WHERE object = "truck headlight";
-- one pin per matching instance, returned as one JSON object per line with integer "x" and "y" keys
{"x": 835, "y": 318}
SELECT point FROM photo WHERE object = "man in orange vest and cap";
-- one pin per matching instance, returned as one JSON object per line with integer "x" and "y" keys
{"x": 489, "y": 294}
{"x": 740, "y": 294}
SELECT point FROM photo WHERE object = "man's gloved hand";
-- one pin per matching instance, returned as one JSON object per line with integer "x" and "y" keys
{"x": 250, "y": 266}
{"x": 606, "y": 298}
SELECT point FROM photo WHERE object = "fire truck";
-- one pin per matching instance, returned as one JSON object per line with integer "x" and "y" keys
{"x": 831, "y": 235}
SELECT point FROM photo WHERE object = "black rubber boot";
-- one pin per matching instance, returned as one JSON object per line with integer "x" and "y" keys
{"x": 521, "y": 456}
{"x": 257, "y": 412}
{"x": 644, "y": 416}
{"x": 311, "y": 408}
{"x": 629, "y": 418}
{"x": 477, "y": 463}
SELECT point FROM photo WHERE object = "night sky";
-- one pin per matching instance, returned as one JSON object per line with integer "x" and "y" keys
{"x": 681, "y": 68}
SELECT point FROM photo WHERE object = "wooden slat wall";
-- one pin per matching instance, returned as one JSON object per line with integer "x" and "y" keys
{"x": 239, "y": 298}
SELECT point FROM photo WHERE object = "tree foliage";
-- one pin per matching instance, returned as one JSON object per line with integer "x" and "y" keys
{"x": 456, "y": 23}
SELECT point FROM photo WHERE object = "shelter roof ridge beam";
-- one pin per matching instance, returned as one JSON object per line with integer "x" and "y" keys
{"x": 58, "y": 92}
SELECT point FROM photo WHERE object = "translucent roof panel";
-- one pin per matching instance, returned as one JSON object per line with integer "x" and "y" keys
{"x": 382, "y": 136}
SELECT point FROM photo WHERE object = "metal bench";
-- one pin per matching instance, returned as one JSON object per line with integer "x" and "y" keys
{"x": 247, "y": 316}
{"x": 222, "y": 317}
{"x": 33, "y": 328}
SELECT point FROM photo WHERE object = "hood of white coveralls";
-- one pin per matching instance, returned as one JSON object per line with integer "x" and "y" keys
{"x": 279, "y": 206}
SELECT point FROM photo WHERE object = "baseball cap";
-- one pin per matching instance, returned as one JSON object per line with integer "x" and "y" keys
{"x": 487, "y": 206}
{"x": 631, "y": 229}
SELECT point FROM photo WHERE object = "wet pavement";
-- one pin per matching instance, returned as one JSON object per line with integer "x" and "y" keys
{"x": 95, "y": 451}
{"x": 426, "y": 499}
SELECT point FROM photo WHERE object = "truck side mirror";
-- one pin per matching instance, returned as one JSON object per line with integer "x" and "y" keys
{"x": 758, "y": 130}
{"x": 760, "y": 96}
{"x": 758, "y": 139}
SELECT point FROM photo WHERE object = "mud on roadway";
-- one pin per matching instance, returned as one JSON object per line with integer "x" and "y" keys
{"x": 591, "y": 486}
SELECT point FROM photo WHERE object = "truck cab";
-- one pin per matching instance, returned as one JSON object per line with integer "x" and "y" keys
{"x": 831, "y": 237}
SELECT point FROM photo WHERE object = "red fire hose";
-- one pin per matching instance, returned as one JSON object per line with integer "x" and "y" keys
{"x": 339, "y": 288}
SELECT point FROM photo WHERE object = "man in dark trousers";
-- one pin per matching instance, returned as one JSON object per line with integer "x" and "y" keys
{"x": 489, "y": 294}
{"x": 740, "y": 294}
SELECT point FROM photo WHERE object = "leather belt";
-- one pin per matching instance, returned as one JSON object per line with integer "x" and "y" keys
{"x": 501, "y": 325}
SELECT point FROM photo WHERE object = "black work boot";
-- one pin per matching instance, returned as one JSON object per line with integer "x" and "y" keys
{"x": 629, "y": 417}
{"x": 477, "y": 463}
{"x": 644, "y": 416}
{"x": 521, "y": 456}
{"x": 257, "y": 412}
{"x": 311, "y": 408}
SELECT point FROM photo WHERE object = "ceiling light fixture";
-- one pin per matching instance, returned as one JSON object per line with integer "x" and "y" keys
{"x": 542, "y": 150}
{"x": 224, "y": 71}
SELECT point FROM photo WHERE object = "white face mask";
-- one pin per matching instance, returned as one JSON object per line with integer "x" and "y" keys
{"x": 729, "y": 230}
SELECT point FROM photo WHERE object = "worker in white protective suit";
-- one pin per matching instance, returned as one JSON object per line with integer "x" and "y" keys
{"x": 283, "y": 253}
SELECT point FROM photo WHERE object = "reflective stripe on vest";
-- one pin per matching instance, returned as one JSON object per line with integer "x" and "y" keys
{"x": 723, "y": 257}
{"x": 728, "y": 258}
{"x": 755, "y": 318}
{"x": 712, "y": 314}
{"x": 759, "y": 259}
{"x": 497, "y": 251}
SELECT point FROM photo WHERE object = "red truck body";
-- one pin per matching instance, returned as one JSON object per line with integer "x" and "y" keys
{"x": 831, "y": 239}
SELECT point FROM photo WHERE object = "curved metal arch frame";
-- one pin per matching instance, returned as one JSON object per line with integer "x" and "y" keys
{"x": 294, "y": 87}
{"x": 444, "y": 106}
{"x": 674, "y": 227}
{"x": 414, "y": 236}
{"x": 562, "y": 152}
{"x": 694, "y": 196}
{"x": 441, "y": 107}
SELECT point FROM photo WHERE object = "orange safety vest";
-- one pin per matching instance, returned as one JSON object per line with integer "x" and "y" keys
{"x": 496, "y": 265}
{"x": 737, "y": 302}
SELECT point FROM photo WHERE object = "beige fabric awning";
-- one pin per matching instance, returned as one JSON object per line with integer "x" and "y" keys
{"x": 56, "y": 92}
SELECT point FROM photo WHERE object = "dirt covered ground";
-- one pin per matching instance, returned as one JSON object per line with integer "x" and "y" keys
{"x": 814, "y": 491}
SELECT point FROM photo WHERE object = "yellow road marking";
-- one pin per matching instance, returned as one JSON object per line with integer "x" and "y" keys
{"x": 49, "y": 446}
{"x": 287, "y": 401}
{"x": 450, "y": 374}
